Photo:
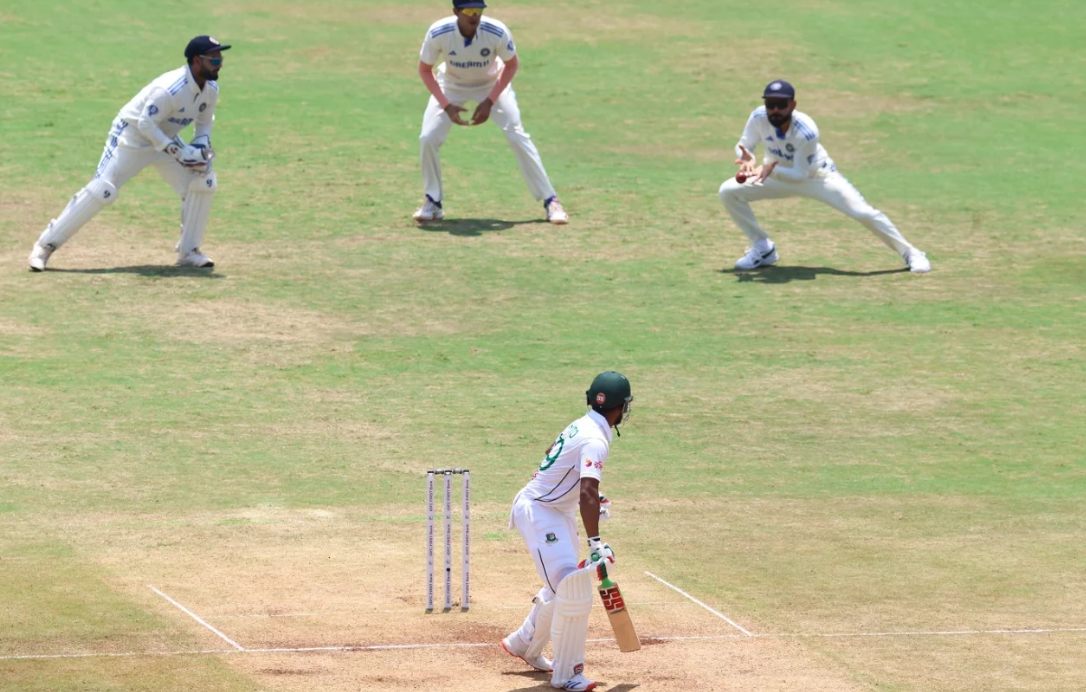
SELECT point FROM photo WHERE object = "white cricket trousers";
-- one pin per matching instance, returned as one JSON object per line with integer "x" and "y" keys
{"x": 118, "y": 165}
{"x": 505, "y": 113}
{"x": 550, "y": 536}
{"x": 551, "y": 539}
{"x": 833, "y": 189}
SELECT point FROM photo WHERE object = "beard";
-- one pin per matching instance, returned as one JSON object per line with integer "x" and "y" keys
{"x": 776, "y": 118}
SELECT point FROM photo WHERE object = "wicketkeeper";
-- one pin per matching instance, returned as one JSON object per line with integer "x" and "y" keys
{"x": 544, "y": 512}
{"x": 144, "y": 134}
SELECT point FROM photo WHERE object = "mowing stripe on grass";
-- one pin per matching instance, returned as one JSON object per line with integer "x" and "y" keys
{"x": 720, "y": 615}
{"x": 198, "y": 619}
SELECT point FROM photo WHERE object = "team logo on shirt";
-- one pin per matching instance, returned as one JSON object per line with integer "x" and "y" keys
{"x": 484, "y": 52}
{"x": 790, "y": 148}
{"x": 203, "y": 107}
{"x": 551, "y": 538}
{"x": 152, "y": 109}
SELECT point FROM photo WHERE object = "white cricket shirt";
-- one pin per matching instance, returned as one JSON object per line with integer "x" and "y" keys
{"x": 579, "y": 452}
{"x": 163, "y": 108}
{"x": 472, "y": 62}
{"x": 798, "y": 153}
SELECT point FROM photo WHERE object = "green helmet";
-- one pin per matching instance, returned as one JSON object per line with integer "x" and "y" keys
{"x": 608, "y": 391}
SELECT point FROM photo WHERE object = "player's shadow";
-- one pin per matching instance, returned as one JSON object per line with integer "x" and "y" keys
{"x": 546, "y": 685}
{"x": 777, "y": 274}
{"x": 474, "y": 227}
{"x": 162, "y": 271}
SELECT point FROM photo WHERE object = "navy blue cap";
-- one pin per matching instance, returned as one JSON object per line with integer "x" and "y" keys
{"x": 202, "y": 45}
{"x": 779, "y": 89}
{"x": 467, "y": 4}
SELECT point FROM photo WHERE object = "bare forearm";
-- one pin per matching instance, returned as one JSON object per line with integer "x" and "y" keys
{"x": 506, "y": 78}
{"x": 426, "y": 73}
{"x": 590, "y": 512}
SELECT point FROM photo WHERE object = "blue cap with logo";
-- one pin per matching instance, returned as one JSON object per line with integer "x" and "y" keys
{"x": 468, "y": 4}
{"x": 779, "y": 89}
{"x": 202, "y": 45}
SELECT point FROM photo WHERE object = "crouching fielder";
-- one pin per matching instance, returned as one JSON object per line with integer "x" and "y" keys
{"x": 796, "y": 165}
{"x": 544, "y": 512}
{"x": 145, "y": 134}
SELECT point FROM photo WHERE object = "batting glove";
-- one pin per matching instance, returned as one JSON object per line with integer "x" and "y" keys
{"x": 599, "y": 550}
{"x": 605, "y": 508}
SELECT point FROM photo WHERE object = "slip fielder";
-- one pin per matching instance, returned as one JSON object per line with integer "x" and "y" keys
{"x": 796, "y": 165}
{"x": 544, "y": 513}
{"x": 478, "y": 62}
{"x": 144, "y": 133}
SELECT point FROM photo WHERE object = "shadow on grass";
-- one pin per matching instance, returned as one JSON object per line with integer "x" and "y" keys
{"x": 165, "y": 271}
{"x": 776, "y": 274}
{"x": 472, "y": 227}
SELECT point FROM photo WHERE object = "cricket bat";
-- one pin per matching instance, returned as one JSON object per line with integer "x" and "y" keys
{"x": 617, "y": 614}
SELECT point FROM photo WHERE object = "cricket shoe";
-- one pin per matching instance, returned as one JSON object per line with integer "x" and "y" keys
{"x": 515, "y": 646}
{"x": 196, "y": 259}
{"x": 579, "y": 683}
{"x": 758, "y": 256}
{"x": 917, "y": 262}
{"x": 556, "y": 213}
{"x": 429, "y": 211}
{"x": 39, "y": 256}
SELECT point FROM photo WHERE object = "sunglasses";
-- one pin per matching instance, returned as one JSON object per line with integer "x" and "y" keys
{"x": 472, "y": 11}
{"x": 214, "y": 62}
{"x": 778, "y": 105}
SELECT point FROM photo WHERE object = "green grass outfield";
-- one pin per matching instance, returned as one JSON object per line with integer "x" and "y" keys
{"x": 823, "y": 447}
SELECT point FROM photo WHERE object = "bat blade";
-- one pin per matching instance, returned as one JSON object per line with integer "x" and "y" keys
{"x": 620, "y": 619}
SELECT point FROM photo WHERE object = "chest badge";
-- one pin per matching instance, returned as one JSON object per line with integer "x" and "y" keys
{"x": 484, "y": 52}
{"x": 790, "y": 148}
{"x": 203, "y": 107}
{"x": 551, "y": 538}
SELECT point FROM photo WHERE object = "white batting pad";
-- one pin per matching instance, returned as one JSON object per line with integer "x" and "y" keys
{"x": 541, "y": 624}
{"x": 569, "y": 628}
{"x": 195, "y": 210}
{"x": 84, "y": 205}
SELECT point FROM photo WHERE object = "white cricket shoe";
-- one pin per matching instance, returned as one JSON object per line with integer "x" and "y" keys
{"x": 196, "y": 259}
{"x": 917, "y": 262}
{"x": 556, "y": 213}
{"x": 429, "y": 211}
{"x": 39, "y": 256}
{"x": 758, "y": 257}
{"x": 579, "y": 683}
{"x": 515, "y": 646}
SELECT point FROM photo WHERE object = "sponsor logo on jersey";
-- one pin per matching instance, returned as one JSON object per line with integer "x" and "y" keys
{"x": 598, "y": 465}
{"x": 469, "y": 65}
{"x": 183, "y": 122}
{"x": 588, "y": 463}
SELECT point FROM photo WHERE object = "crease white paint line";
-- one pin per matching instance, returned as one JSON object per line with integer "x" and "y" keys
{"x": 198, "y": 619}
{"x": 717, "y": 613}
{"x": 932, "y": 633}
{"x": 358, "y": 613}
{"x": 479, "y": 645}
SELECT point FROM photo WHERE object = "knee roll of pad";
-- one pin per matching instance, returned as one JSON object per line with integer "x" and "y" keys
{"x": 102, "y": 191}
{"x": 207, "y": 184}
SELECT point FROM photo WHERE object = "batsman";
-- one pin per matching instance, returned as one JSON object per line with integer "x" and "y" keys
{"x": 544, "y": 513}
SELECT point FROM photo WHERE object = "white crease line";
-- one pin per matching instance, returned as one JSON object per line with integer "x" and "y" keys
{"x": 467, "y": 645}
{"x": 934, "y": 633}
{"x": 356, "y": 613}
{"x": 197, "y": 618}
{"x": 720, "y": 615}
{"x": 123, "y": 654}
